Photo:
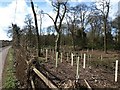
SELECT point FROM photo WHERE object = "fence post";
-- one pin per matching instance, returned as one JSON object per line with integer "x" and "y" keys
{"x": 116, "y": 70}
{"x": 84, "y": 60}
{"x": 56, "y": 59}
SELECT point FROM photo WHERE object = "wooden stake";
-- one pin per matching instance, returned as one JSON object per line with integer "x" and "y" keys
{"x": 71, "y": 59}
{"x": 81, "y": 55}
{"x": 87, "y": 50}
{"x": 67, "y": 56}
{"x": 50, "y": 50}
{"x": 41, "y": 50}
{"x": 61, "y": 56}
{"x": 101, "y": 57}
{"x": 84, "y": 60}
{"x": 88, "y": 57}
{"x": 116, "y": 70}
{"x": 92, "y": 50}
{"x": 44, "y": 51}
{"x": 53, "y": 51}
{"x": 46, "y": 54}
{"x": 77, "y": 73}
{"x": 56, "y": 59}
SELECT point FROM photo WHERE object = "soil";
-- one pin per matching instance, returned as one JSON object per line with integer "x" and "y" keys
{"x": 96, "y": 77}
{"x": 64, "y": 76}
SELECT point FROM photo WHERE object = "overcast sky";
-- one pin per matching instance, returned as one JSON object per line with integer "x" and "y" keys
{"x": 14, "y": 11}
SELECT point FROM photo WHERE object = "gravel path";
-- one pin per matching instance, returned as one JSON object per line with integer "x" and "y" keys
{"x": 3, "y": 54}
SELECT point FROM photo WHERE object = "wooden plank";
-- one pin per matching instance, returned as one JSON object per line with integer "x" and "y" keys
{"x": 88, "y": 85}
{"x": 47, "y": 82}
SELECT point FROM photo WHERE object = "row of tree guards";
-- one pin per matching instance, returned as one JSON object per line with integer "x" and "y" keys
{"x": 82, "y": 57}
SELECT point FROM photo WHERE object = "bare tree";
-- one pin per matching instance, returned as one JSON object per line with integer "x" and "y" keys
{"x": 16, "y": 34}
{"x": 60, "y": 8}
{"x": 116, "y": 25}
{"x": 104, "y": 9}
{"x": 77, "y": 21}
{"x": 28, "y": 21}
{"x": 95, "y": 21}
{"x": 36, "y": 26}
{"x": 70, "y": 19}
{"x": 40, "y": 15}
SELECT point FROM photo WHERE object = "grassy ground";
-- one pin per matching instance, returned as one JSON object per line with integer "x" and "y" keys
{"x": 8, "y": 72}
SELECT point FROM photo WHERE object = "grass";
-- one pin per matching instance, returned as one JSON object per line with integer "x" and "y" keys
{"x": 8, "y": 72}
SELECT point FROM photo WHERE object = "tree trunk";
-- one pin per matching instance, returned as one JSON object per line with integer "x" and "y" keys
{"x": 83, "y": 43}
{"x": 38, "y": 39}
{"x": 105, "y": 37}
{"x": 73, "y": 41}
{"x": 57, "y": 43}
{"x": 30, "y": 37}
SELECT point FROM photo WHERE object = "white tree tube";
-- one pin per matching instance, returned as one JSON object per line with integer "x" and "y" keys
{"x": 84, "y": 60}
{"x": 116, "y": 70}
{"x": 56, "y": 59}
{"x": 61, "y": 56}
{"x": 71, "y": 59}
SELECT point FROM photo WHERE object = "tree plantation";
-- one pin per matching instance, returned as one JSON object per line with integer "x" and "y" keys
{"x": 80, "y": 49}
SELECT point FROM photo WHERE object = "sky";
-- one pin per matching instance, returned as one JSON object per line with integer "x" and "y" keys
{"x": 15, "y": 11}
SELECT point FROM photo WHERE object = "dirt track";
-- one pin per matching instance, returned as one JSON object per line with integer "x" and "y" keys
{"x": 3, "y": 54}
